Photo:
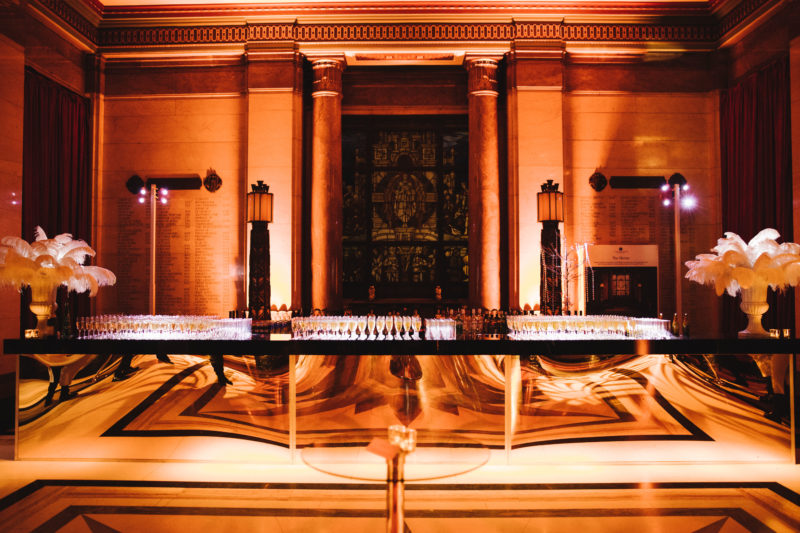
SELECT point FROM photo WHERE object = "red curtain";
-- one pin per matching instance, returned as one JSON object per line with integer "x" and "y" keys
{"x": 756, "y": 161}
{"x": 56, "y": 169}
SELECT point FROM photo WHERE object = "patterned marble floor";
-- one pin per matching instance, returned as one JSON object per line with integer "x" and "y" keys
{"x": 643, "y": 446}
{"x": 117, "y": 506}
{"x": 182, "y": 413}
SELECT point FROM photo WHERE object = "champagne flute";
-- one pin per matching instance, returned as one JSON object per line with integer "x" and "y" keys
{"x": 351, "y": 323}
{"x": 416, "y": 322}
{"x": 407, "y": 327}
{"x": 380, "y": 321}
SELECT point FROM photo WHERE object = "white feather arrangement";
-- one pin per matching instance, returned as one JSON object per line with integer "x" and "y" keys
{"x": 738, "y": 265}
{"x": 48, "y": 263}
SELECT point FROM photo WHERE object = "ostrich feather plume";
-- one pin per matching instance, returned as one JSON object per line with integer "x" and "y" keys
{"x": 738, "y": 265}
{"x": 49, "y": 263}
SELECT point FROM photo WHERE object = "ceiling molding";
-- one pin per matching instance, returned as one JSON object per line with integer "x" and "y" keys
{"x": 685, "y": 25}
{"x": 746, "y": 17}
{"x": 67, "y": 17}
{"x": 405, "y": 7}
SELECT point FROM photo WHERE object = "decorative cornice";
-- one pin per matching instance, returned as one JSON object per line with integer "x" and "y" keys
{"x": 71, "y": 16}
{"x": 736, "y": 16}
{"x": 404, "y": 8}
{"x": 133, "y": 27}
{"x": 159, "y": 36}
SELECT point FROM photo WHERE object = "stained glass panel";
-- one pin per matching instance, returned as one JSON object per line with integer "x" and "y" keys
{"x": 405, "y": 206}
{"x": 404, "y": 264}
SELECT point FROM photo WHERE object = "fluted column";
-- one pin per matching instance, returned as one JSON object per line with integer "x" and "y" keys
{"x": 484, "y": 184}
{"x": 326, "y": 186}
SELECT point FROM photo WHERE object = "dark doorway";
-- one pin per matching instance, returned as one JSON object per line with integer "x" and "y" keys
{"x": 622, "y": 291}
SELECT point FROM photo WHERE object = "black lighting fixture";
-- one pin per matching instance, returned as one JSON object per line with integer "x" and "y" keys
{"x": 637, "y": 182}
{"x": 550, "y": 203}
{"x": 671, "y": 192}
{"x": 259, "y": 214}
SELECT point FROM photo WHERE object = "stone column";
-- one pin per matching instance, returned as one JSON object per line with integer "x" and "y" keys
{"x": 484, "y": 184}
{"x": 326, "y": 186}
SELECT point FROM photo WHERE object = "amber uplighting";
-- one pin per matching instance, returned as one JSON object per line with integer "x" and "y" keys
{"x": 259, "y": 203}
{"x": 550, "y": 203}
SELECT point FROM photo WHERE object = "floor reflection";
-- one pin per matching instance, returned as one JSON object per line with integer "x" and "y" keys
{"x": 554, "y": 404}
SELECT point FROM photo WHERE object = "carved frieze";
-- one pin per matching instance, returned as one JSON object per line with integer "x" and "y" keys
{"x": 688, "y": 24}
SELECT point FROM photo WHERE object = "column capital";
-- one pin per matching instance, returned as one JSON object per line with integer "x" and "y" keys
{"x": 482, "y": 75}
{"x": 327, "y": 76}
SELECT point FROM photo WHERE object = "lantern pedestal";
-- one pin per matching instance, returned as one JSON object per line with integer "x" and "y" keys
{"x": 259, "y": 213}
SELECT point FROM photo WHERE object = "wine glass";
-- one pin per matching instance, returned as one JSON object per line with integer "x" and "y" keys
{"x": 371, "y": 327}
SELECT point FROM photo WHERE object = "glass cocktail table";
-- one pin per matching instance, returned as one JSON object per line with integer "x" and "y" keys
{"x": 397, "y": 459}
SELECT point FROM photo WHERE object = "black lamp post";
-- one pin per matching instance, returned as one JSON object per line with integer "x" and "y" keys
{"x": 550, "y": 214}
{"x": 259, "y": 214}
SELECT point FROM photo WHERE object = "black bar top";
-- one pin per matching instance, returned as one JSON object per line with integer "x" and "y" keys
{"x": 285, "y": 346}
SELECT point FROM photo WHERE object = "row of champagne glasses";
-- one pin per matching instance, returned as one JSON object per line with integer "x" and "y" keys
{"x": 369, "y": 327}
{"x": 163, "y": 327}
{"x": 532, "y": 327}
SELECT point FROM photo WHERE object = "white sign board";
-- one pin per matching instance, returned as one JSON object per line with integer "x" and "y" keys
{"x": 622, "y": 255}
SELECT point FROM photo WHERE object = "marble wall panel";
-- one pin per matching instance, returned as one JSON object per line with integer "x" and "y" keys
{"x": 158, "y": 80}
{"x": 272, "y": 154}
{"x": 12, "y": 72}
{"x": 690, "y": 73}
{"x": 654, "y": 134}
{"x": 768, "y": 42}
{"x": 402, "y": 88}
{"x": 200, "y": 263}
{"x": 540, "y": 157}
{"x": 52, "y": 55}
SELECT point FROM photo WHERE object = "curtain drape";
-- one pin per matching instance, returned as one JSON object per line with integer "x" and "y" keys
{"x": 56, "y": 170}
{"x": 756, "y": 165}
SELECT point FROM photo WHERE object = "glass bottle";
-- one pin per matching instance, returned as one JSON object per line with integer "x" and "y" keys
{"x": 675, "y": 326}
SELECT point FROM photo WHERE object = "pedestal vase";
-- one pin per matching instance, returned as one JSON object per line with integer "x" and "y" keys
{"x": 754, "y": 304}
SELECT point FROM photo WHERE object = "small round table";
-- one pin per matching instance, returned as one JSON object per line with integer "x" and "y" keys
{"x": 435, "y": 457}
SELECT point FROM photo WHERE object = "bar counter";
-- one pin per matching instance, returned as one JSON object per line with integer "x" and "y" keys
{"x": 530, "y": 400}
{"x": 283, "y": 345}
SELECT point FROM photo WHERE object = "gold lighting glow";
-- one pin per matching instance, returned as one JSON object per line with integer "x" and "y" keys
{"x": 550, "y": 203}
{"x": 259, "y": 203}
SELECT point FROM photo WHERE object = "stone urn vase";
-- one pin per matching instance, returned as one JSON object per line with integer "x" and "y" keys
{"x": 754, "y": 304}
{"x": 43, "y": 305}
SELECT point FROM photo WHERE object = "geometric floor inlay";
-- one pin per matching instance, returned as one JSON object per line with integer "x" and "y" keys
{"x": 107, "y": 506}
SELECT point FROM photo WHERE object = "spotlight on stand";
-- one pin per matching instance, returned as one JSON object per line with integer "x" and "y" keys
{"x": 158, "y": 188}
{"x": 678, "y": 184}
{"x": 259, "y": 214}
{"x": 550, "y": 203}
